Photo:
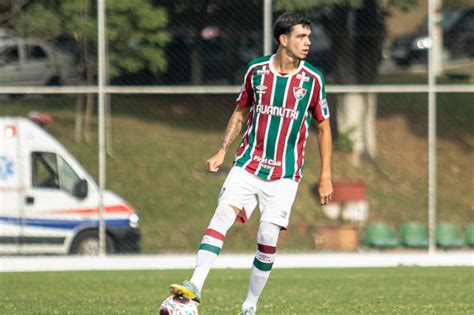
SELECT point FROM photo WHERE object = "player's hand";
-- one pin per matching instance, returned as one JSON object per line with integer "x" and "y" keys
{"x": 325, "y": 190}
{"x": 213, "y": 164}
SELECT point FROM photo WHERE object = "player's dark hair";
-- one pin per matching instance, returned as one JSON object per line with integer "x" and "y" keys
{"x": 285, "y": 22}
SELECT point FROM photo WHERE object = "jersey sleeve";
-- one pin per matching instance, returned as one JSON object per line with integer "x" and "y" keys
{"x": 245, "y": 97}
{"x": 319, "y": 103}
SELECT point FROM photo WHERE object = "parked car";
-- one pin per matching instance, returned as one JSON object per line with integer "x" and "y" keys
{"x": 458, "y": 39}
{"x": 26, "y": 61}
{"x": 48, "y": 201}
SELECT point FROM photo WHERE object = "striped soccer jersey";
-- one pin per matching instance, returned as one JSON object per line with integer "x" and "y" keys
{"x": 279, "y": 119}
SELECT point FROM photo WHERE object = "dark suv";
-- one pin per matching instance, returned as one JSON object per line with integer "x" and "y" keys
{"x": 458, "y": 39}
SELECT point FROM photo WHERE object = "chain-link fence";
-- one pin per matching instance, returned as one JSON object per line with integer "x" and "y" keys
{"x": 174, "y": 70}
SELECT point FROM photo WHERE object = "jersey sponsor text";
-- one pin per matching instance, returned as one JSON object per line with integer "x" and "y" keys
{"x": 277, "y": 111}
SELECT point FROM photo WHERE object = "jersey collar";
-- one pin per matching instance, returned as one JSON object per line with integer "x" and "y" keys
{"x": 273, "y": 70}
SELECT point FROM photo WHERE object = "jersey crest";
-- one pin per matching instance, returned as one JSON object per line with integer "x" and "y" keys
{"x": 299, "y": 92}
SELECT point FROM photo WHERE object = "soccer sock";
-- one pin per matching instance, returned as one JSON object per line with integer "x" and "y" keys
{"x": 267, "y": 239}
{"x": 212, "y": 242}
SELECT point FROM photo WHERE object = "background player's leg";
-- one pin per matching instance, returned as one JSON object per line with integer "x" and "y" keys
{"x": 267, "y": 239}
{"x": 212, "y": 242}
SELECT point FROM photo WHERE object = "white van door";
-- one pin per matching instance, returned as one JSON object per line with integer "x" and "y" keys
{"x": 51, "y": 211}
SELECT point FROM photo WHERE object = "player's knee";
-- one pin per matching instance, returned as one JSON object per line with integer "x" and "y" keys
{"x": 226, "y": 211}
{"x": 267, "y": 238}
{"x": 223, "y": 218}
{"x": 268, "y": 234}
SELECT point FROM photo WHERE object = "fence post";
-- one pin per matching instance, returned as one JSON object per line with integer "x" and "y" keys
{"x": 267, "y": 27}
{"x": 101, "y": 81}
{"x": 432, "y": 7}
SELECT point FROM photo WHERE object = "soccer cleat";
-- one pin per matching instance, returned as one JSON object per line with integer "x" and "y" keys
{"x": 187, "y": 289}
{"x": 249, "y": 311}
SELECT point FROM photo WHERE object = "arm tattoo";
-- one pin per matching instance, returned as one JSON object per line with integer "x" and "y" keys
{"x": 232, "y": 131}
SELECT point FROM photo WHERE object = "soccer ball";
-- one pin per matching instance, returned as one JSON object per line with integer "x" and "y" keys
{"x": 178, "y": 305}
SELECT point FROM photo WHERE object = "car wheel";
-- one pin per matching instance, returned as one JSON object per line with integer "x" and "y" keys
{"x": 54, "y": 82}
{"x": 87, "y": 243}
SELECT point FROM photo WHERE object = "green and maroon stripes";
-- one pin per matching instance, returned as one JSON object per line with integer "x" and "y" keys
{"x": 281, "y": 110}
{"x": 265, "y": 257}
{"x": 270, "y": 134}
{"x": 212, "y": 241}
{"x": 300, "y": 132}
{"x": 284, "y": 145}
{"x": 259, "y": 77}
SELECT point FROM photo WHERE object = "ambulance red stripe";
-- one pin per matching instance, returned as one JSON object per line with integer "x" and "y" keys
{"x": 88, "y": 211}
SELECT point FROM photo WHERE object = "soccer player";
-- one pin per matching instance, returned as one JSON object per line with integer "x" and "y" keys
{"x": 279, "y": 96}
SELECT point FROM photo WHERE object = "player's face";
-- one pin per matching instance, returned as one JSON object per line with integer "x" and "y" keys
{"x": 298, "y": 41}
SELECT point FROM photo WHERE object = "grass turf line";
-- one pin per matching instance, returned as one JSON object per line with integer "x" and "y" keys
{"x": 402, "y": 290}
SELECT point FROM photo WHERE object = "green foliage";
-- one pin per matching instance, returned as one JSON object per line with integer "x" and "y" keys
{"x": 344, "y": 141}
{"x": 136, "y": 30}
{"x": 402, "y": 290}
{"x": 139, "y": 35}
{"x": 456, "y": 4}
{"x": 38, "y": 21}
{"x": 296, "y": 5}
{"x": 404, "y": 5}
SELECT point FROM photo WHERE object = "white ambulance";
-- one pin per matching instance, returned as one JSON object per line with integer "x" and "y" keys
{"x": 49, "y": 203}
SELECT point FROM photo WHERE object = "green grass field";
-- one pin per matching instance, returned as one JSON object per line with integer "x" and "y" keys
{"x": 402, "y": 290}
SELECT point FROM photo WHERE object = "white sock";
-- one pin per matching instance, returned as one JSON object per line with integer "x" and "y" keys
{"x": 212, "y": 242}
{"x": 258, "y": 279}
{"x": 267, "y": 239}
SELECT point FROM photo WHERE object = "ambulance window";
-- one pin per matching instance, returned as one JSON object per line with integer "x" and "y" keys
{"x": 45, "y": 170}
{"x": 68, "y": 177}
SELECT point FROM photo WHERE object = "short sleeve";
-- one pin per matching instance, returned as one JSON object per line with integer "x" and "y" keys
{"x": 319, "y": 103}
{"x": 245, "y": 97}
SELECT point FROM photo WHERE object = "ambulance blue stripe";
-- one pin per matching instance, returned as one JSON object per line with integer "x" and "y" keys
{"x": 63, "y": 224}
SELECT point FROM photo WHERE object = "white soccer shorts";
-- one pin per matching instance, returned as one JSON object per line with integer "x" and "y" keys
{"x": 244, "y": 190}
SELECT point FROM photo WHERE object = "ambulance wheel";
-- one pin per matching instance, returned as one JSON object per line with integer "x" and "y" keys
{"x": 87, "y": 243}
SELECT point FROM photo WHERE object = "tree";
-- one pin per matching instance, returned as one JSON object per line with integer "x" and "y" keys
{"x": 357, "y": 32}
{"x": 136, "y": 34}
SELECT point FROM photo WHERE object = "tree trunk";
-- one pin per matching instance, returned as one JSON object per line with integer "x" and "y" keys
{"x": 356, "y": 59}
{"x": 197, "y": 71}
{"x": 370, "y": 125}
{"x": 201, "y": 20}
{"x": 349, "y": 106}
{"x": 356, "y": 120}
{"x": 350, "y": 111}
{"x": 108, "y": 125}
{"x": 341, "y": 51}
{"x": 88, "y": 118}
{"x": 83, "y": 113}
{"x": 79, "y": 121}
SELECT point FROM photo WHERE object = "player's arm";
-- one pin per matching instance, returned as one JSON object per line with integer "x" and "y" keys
{"x": 234, "y": 126}
{"x": 325, "y": 149}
